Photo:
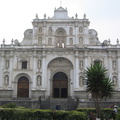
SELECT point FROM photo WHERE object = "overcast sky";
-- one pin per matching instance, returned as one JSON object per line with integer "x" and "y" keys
{"x": 16, "y": 16}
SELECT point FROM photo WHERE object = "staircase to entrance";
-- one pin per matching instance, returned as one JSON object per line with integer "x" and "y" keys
{"x": 65, "y": 103}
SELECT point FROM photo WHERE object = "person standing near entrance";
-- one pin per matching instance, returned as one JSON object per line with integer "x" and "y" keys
{"x": 114, "y": 113}
{"x": 58, "y": 107}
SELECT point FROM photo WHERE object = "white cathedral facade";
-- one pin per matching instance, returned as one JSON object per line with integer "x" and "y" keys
{"x": 51, "y": 59}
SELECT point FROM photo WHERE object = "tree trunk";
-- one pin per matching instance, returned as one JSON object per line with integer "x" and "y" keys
{"x": 98, "y": 108}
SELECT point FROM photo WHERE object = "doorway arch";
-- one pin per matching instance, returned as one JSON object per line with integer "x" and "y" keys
{"x": 23, "y": 87}
{"x": 60, "y": 85}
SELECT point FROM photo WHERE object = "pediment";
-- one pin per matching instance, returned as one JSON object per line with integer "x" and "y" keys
{"x": 61, "y": 9}
{"x": 60, "y": 13}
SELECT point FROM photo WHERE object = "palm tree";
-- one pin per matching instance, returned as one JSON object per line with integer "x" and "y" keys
{"x": 100, "y": 86}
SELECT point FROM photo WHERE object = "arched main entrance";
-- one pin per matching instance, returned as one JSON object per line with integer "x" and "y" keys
{"x": 23, "y": 87}
{"x": 60, "y": 85}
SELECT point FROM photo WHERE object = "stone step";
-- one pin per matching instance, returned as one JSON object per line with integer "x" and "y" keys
{"x": 62, "y": 102}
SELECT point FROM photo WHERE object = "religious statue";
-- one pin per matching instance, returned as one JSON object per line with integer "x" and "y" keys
{"x": 80, "y": 29}
{"x": 40, "y": 29}
{"x": 50, "y": 41}
{"x": 50, "y": 30}
{"x": 71, "y": 31}
{"x": 81, "y": 64}
{"x": 7, "y": 64}
{"x": 40, "y": 40}
{"x": 6, "y": 80}
{"x": 81, "y": 40}
{"x": 39, "y": 64}
{"x": 38, "y": 80}
{"x": 81, "y": 81}
{"x": 71, "y": 41}
{"x": 114, "y": 64}
{"x": 115, "y": 80}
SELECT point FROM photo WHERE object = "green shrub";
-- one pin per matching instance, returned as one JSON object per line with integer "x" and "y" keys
{"x": 60, "y": 115}
{"x": 106, "y": 113}
{"x": 6, "y": 114}
{"x": 35, "y": 114}
{"x": 21, "y": 107}
{"x": 22, "y": 114}
{"x": 43, "y": 114}
{"x": 9, "y": 105}
{"x": 75, "y": 115}
{"x": 118, "y": 116}
{"x": 87, "y": 110}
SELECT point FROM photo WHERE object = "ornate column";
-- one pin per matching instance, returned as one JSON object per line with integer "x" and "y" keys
{"x": 85, "y": 58}
{"x": 76, "y": 35}
{"x": 118, "y": 66}
{"x": 11, "y": 69}
{"x": 34, "y": 70}
{"x": 44, "y": 70}
{"x": 2, "y": 70}
{"x": 35, "y": 34}
{"x": 86, "y": 63}
{"x": 110, "y": 65}
{"x": 44, "y": 32}
{"x": 76, "y": 71}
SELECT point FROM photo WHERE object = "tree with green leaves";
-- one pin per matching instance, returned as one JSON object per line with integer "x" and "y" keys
{"x": 99, "y": 85}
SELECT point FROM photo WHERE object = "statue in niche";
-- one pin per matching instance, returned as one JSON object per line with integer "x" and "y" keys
{"x": 81, "y": 29}
{"x": 71, "y": 31}
{"x": 114, "y": 64}
{"x": 38, "y": 80}
{"x": 50, "y": 41}
{"x": 7, "y": 64}
{"x": 39, "y": 64}
{"x": 50, "y": 30}
{"x": 6, "y": 80}
{"x": 40, "y": 29}
{"x": 71, "y": 41}
{"x": 81, "y": 40}
{"x": 115, "y": 80}
{"x": 81, "y": 81}
{"x": 40, "y": 40}
{"x": 81, "y": 65}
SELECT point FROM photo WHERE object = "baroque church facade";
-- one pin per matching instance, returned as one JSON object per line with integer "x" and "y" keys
{"x": 51, "y": 59}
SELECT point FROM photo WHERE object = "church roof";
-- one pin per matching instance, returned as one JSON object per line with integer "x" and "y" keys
{"x": 60, "y": 13}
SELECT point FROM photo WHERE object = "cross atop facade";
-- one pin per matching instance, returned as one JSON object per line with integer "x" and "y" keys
{"x": 60, "y": 2}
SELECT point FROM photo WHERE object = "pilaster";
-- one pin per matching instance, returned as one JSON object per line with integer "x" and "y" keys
{"x": 110, "y": 64}
{"x": 34, "y": 70}
{"x": 44, "y": 70}
{"x": 11, "y": 69}
{"x": 118, "y": 61}
{"x": 76, "y": 35}
{"x": 76, "y": 71}
{"x": 2, "y": 70}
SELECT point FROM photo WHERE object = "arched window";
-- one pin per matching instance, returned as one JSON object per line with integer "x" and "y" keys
{"x": 60, "y": 38}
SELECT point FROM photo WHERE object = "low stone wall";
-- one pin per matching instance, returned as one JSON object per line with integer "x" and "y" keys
{"x": 92, "y": 105}
{"x": 23, "y": 103}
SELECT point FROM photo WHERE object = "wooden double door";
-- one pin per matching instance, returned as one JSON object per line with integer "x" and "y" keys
{"x": 23, "y": 87}
{"x": 60, "y": 85}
